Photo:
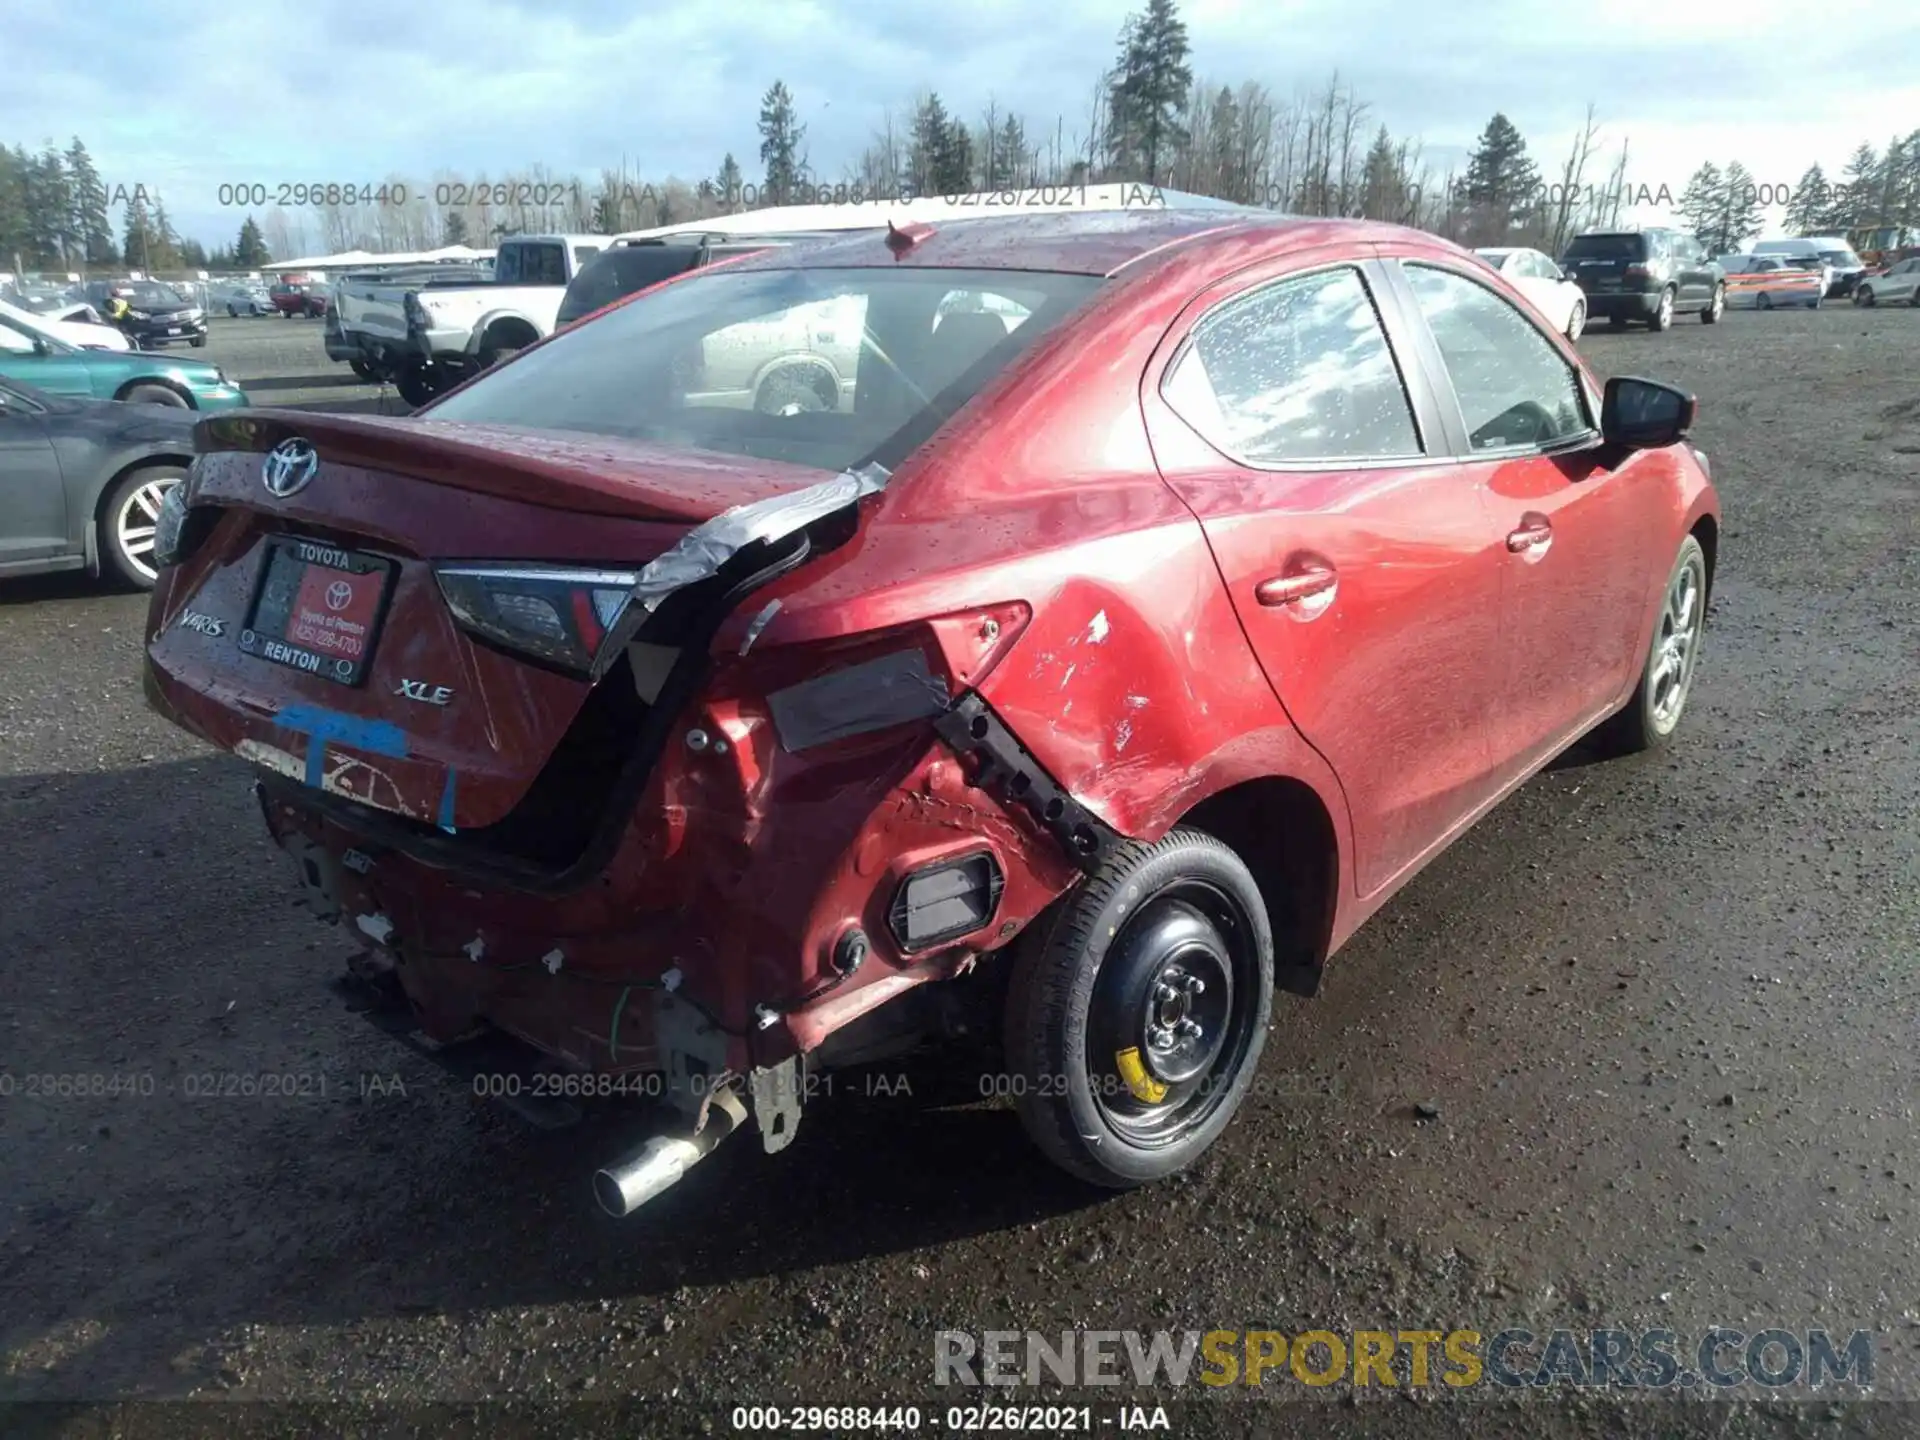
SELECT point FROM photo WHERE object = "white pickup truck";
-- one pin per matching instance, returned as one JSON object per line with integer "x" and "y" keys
{"x": 428, "y": 335}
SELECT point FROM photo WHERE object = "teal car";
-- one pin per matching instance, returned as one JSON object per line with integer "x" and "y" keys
{"x": 47, "y": 362}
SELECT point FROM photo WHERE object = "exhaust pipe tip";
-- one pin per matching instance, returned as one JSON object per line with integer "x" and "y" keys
{"x": 623, "y": 1186}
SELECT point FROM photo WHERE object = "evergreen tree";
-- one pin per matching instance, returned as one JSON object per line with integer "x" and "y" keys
{"x": 13, "y": 211}
{"x": 781, "y": 134}
{"x": 1382, "y": 187}
{"x": 1704, "y": 202}
{"x": 137, "y": 236}
{"x": 1859, "y": 188}
{"x": 1807, "y": 207}
{"x": 928, "y": 165}
{"x": 956, "y": 161}
{"x": 166, "y": 243}
{"x": 1220, "y": 166}
{"x": 1010, "y": 159}
{"x": 728, "y": 184}
{"x": 1147, "y": 95}
{"x": 1743, "y": 214}
{"x": 91, "y": 223}
{"x": 250, "y": 250}
{"x": 1500, "y": 175}
{"x": 453, "y": 229}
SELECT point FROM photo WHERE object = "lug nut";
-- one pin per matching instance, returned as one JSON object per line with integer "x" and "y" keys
{"x": 697, "y": 740}
{"x": 1189, "y": 1028}
{"x": 1195, "y": 985}
{"x": 1164, "y": 993}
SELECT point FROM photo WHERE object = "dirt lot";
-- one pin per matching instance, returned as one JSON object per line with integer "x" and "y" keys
{"x": 1660, "y": 1018}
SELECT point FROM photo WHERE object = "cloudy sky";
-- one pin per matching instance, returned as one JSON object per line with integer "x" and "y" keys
{"x": 345, "y": 91}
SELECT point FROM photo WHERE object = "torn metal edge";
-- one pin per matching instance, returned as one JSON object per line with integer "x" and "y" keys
{"x": 701, "y": 552}
{"x": 1007, "y": 770}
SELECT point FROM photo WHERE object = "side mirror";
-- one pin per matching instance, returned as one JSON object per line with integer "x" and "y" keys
{"x": 1644, "y": 414}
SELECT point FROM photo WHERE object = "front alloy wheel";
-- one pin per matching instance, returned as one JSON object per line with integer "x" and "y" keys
{"x": 1663, "y": 313}
{"x": 1577, "y": 320}
{"x": 1138, "y": 1011}
{"x": 128, "y": 520}
{"x": 1666, "y": 679}
{"x": 1715, "y": 307}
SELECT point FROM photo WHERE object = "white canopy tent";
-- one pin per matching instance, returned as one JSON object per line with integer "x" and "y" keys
{"x": 350, "y": 259}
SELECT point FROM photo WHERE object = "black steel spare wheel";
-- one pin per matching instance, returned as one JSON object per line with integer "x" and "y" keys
{"x": 1138, "y": 1010}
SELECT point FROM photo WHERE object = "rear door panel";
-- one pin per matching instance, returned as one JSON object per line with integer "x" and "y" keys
{"x": 1390, "y": 675}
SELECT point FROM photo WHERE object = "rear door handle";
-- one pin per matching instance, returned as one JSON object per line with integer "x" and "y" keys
{"x": 1533, "y": 533}
{"x": 1291, "y": 589}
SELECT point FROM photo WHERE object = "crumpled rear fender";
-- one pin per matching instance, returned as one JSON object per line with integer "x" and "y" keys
{"x": 1139, "y": 693}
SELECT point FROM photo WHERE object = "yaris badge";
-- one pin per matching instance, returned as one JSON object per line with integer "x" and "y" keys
{"x": 289, "y": 467}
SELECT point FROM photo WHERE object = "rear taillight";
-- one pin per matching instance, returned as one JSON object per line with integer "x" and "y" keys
{"x": 1638, "y": 272}
{"x": 559, "y": 614}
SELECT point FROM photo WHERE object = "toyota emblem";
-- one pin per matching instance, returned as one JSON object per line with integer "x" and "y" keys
{"x": 339, "y": 595}
{"x": 289, "y": 467}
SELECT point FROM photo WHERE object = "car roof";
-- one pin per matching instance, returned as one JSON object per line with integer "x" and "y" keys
{"x": 1084, "y": 242}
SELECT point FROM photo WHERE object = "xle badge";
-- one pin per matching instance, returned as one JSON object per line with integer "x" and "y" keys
{"x": 426, "y": 694}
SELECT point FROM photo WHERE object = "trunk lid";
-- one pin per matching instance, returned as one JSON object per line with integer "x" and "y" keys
{"x": 308, "y": 632}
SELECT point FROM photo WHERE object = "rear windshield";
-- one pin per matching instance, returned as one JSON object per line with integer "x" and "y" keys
{"x": 832, "y": 368}
{"x": 622, "y": 271}
{"x": 1608, "y": 247}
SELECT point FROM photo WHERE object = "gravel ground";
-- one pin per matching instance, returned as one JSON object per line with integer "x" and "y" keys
{"x": 1638, "y": 1052}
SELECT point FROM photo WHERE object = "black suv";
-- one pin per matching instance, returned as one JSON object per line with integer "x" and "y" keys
{"x": 632, "y": 265}
{"x": 1650, "y": 275}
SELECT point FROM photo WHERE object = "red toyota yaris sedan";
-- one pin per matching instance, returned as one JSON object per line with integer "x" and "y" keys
{"x": 1087, "y": 620}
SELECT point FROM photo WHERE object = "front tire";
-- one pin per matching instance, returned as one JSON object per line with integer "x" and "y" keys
{"x": 1138, "y": 1009}
{"x": 156, "y": 395}
{"x": 1716, "y": 307}
{"x": 1577, "y": 320}
{"x": 127, "y": 521}
{"x": 1666, "y": 677}
{"x": 1662, "y": 317}
{"x": 416, "y": 385}
{"x": 1864, "y": 296}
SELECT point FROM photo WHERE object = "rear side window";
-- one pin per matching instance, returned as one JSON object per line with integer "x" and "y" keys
{"x": 1514, "y": 386}
{"x": 622, "y": 271}
{"x": 536, "y": 263}
{"x": 1295, "y": 371}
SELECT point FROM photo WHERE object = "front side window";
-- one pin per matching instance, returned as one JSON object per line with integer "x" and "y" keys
{"x": 832, "y": 368}
{"x": 1514, "y": 386}
{"x": 1295, "y": 371}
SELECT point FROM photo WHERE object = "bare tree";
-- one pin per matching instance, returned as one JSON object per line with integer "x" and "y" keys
{"x": 1569, "y": 200}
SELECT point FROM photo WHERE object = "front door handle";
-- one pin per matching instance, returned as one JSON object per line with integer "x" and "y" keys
{"x": 1291, "y": 589}
{"x": 1532, "y": 534}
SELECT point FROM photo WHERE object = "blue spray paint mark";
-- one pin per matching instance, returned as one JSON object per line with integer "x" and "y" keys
{"x": 319, "y": 725}
{"x": 446, "y": 803}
